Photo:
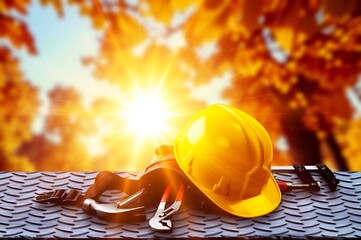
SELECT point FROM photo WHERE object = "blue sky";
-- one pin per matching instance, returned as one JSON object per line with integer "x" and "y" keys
{"x": 61, "y": 43}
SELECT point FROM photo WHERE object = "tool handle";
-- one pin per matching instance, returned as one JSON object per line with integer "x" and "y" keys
{"x": 180, "y": 193}
{"x": 303, "y": 174}
{"x": 328, "y": 175}
{"x": 166, "y": 193}
{"x": 131, "y": 198}
{"x": 284, "y": 186}
{"x": 287, "y": 186}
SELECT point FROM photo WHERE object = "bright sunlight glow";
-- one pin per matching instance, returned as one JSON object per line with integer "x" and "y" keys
{"x": 146, "y": 115}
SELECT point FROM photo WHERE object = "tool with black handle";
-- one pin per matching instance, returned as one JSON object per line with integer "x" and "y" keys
{"x": 328, "y": 175}
{"x": 303, "y": 173}
{"x": 322, "y": 169}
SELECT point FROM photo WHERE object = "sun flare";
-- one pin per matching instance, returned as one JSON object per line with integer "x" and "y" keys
{"x": 147, "y": 115}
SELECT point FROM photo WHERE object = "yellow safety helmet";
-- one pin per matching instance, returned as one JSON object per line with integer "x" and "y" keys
{"x": 227, "y": 154}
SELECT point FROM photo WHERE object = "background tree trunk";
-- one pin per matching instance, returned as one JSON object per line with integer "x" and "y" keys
{"x": 337, "y": 153}
{"x": 304, "y": 144}
{"x": 305, "y": 147}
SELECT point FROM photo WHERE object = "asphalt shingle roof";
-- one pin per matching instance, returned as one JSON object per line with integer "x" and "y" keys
{"x": 300, "y": 214}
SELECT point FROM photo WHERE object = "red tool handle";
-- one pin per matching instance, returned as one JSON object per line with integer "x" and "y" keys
{"x": 287, "y": 186}
{"x": 180, "y": 193}
{"x": 283, "y": 186}
{"x": 166, "y": 193}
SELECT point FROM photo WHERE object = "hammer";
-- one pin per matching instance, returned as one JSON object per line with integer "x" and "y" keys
{"x": 304, "y": 175}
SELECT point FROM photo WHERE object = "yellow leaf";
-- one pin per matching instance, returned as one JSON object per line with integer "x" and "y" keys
{"x": 208, "y": 22}
{"x": 182, "y": 5}
{"x": 57, "y": 4}
{"x": 160, "y": 10}
{"x": 284, "y": 37}
{"x": 98, "y": 20}
{"x": 131, "y": 32}
{"x": 285, "y": 25}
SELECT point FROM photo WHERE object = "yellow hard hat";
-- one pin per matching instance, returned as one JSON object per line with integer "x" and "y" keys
{"x": 227, "y": 154}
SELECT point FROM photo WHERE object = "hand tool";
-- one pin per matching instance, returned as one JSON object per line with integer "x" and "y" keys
{"x": 322, "y": 169}
{"x": 328, "y": 175}
{"x": 113, "y": 210}
{"x": 287, "y": 186}
{"x": 72, "y": 197}
{"x": 160, "y": 221}
{"x": 303, "y": 173}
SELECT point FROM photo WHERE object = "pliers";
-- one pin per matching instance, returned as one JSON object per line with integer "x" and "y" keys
{"x": 160, "y": 221}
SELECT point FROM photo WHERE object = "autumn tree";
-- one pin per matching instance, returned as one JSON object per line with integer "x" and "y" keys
{"x": 302, "y": 96}
{"x": 291, "y": 60}
{"x": 62, "y": 145}
{"x": 291, "y": 63}
{"x": 18, "y": 97}
{"x": 131, "y": 59}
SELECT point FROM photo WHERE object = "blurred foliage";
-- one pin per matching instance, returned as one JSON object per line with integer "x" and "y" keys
{"x": 18, "y": 98}
{"x": 18, "y": 105}
{"x": 291, "y": 62}
{"x": 12, "y": 27}
{"x": 60, "y": 145}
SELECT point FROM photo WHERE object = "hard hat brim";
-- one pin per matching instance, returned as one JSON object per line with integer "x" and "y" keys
{"x": 260, "y": 205}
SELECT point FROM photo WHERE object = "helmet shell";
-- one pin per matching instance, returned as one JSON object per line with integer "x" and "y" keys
{"x": 227, "y": 154}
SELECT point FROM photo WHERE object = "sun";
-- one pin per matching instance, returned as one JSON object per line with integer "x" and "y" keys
{"x": 147, "y": 115}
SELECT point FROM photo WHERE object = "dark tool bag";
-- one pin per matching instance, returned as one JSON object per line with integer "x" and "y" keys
{"x": 155, "y": 178}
